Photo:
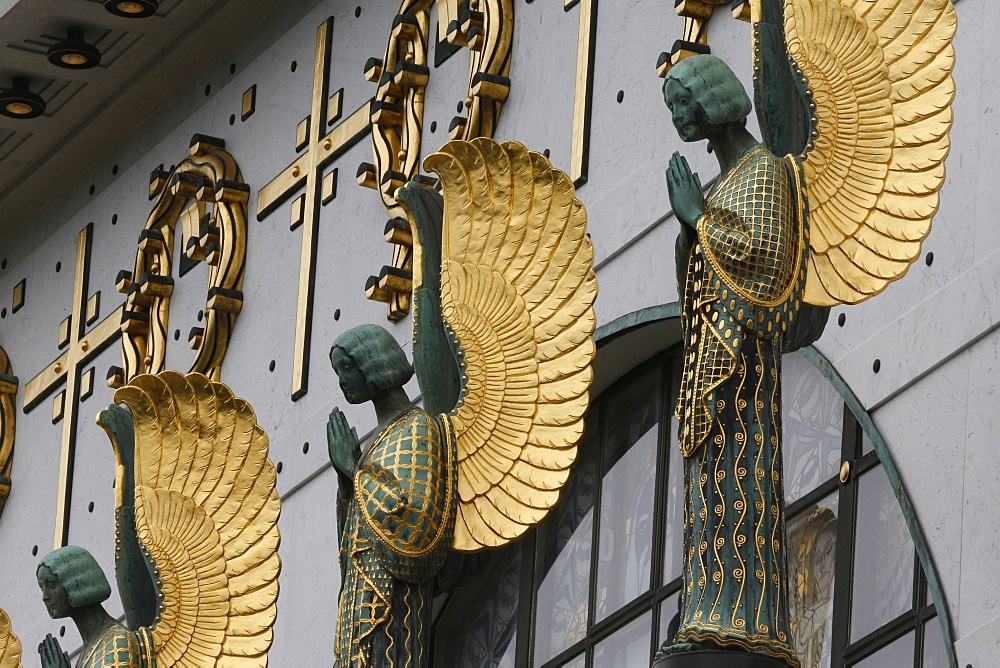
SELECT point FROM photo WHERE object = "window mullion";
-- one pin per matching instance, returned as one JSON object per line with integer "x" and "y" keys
{"x": 526, "y": 601}
{"x": 843, "y": 574}
{"x": 660, "y": 499}
{"x": 595, "y": 547}
{"x": 919, "y": 586}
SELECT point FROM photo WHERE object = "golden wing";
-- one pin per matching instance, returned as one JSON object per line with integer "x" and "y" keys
{"x": 879, "y": 75}
{"x": 206, "y": 513}
{"x": 517, "y": 292}
{"x": 10, "y": 645}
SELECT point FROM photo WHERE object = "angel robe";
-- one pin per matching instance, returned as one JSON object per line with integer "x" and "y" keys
{"x": 396, "y": 530}
{"x": 117, "y": 647}
{"x": 741, "y": 278}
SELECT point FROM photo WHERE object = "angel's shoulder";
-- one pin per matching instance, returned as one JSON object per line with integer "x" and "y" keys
{"x": 415, "y": 430}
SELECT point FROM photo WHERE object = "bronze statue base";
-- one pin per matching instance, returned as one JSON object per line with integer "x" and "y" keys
{"x": 718, "y": 659}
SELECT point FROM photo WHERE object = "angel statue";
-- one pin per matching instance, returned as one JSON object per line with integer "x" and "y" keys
{"x": 197, "y": 537}
{"x": 502, "y": 345}
{"x": 858, "y": 93}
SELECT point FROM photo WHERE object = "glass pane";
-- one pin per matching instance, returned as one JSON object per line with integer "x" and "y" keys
{"x": 631, "y": 435}
{"x": 935, "y": 655}
{"x": 630, "y": 411}
{"x": 673, "y": 550}
{"x": 897, "y": 655}
{"x": 812, "y": 551}
{"x": 883, "y": 557}
{"x": 866, "y": 444}
{"x": 507, "y": 660}
{"x": 627, "y": 648}
{"x": 564, "y": 547}
{"x": 813, "y": 425}
{"x": 578, "y": 662}
{"x": 668, "y": 610}
{"x": 479, "y": 627}
{"x": 626, "y": 529}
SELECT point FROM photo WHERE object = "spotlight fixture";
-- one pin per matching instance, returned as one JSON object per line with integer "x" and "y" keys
{"x": 132, "y": 9}
{"x": 73, "y": 52}
{"x": 19, "y": 102}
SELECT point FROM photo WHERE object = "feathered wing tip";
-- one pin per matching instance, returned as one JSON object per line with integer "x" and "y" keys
{"x": 10, "y": 644}
{"x": 879, "y": 77}
{"x": 206, "y": 514}
{"x": 517, "y": 289}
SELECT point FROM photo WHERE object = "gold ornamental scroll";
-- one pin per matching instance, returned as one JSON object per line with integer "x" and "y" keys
{"x": 397, "y": 112}
{"x": 210, "y": 178}
{"x": 8, "y": 393}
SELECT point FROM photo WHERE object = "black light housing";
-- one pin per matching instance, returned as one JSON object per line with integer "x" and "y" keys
{"x": 132, "y": 9}
{"x": 19, "y": 102}
{"x": 73, "y": 52}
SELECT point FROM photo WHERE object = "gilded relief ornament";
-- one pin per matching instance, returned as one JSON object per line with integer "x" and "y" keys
{"x": 858, "y": 94}
{"x": 485, "y": 27}
{"x": 196, "y": 521}
{"x": 8, "y": 394}
{"x": 503, "y": 324}
{"x": 206, "y": 195}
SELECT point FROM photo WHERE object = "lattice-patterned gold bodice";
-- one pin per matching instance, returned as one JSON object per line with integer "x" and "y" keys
{"x": 118, "y": 647}
{"x": 397, "y": 534}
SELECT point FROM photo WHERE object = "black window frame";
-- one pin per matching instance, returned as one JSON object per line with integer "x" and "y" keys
{"x": 843, "y": 652}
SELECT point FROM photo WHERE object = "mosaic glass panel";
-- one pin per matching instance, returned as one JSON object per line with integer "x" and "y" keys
{"x": 564, "y": 553}
{"x": 812, "y": 550}
{"x": 813, "y": 426}
{"x": 625, "y": 537}
{"x": 484, "y": 630}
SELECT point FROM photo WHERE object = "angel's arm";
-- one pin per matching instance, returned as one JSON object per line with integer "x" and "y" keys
{"x": 132, "y": 573}
{"x": 206, "y": 512}
{"x": 728, "y": 234}
{"x": 778, "y": 96}
{"x": 433, "y": 355}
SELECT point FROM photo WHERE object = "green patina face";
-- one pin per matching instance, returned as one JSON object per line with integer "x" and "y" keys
{"x": 688, "y": 116}
{"x": 714, "y": 87}
{"x": 368, "y": 362}
{"x": 353, "y": 383}
{"x": 54, "y": 595}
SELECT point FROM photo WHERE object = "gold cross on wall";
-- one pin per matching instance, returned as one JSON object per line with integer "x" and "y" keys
{"x": 584, "y": 91}
{"x": 307, "y": 169}
{"x": 82, "y": 347}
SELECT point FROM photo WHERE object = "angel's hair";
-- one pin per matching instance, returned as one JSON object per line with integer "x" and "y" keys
{"x": 377, "y": 354}
{"x": 79, "y": 574}
{"x": 714, "y": 87}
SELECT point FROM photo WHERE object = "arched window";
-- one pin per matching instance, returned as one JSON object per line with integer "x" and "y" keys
{"x": 597, "y": 584}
